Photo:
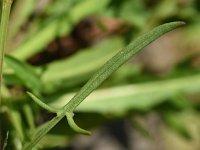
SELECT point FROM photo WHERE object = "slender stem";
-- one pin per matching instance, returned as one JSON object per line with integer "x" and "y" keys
{"x": 3, "y": 33}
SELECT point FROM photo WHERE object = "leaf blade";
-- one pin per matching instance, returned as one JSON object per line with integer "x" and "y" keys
{"x": 25, "y": 73}
{"x": 116, "y": 61}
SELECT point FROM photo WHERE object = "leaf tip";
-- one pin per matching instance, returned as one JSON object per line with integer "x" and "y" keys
{"x": 41, "y": 103}
{"x": 29, "y": 93}
{"x": 182, "y": 22}
{"x": 74, "y": 126}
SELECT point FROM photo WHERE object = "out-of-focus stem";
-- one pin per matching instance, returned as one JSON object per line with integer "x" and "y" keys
{"x": 3, "y": 33}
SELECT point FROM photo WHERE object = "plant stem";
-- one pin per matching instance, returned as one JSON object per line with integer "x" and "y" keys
{"x": 107, "y": 69}
{"x": 3, "y": 33}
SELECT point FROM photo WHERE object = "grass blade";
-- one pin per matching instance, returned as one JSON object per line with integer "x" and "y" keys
{"x": 24, "y": 72}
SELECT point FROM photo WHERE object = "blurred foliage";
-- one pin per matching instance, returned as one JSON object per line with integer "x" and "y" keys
{"x": 138, "y": 87}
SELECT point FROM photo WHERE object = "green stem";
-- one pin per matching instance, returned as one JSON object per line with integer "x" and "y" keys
{"x": 109, "y": 67}
{"x": 3, "y": 32}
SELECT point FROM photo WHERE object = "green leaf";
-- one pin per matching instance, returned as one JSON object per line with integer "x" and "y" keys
{"x": 41, "y": 104}
{"x": 73, "y": 70}
{"x": 138, "y": 96}
{"x": 24, "y": 72}
{"x": 120, "y": 58}
{"x": 74, "y": 126}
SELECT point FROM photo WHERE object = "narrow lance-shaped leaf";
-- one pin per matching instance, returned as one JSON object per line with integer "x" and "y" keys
{"x": 119, "y": 59}
{"x": 112, "y": 65}
{"x": 42, "y": 104}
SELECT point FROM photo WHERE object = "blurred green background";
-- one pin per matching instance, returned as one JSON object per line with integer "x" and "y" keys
{"x": 150, "y": 103}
